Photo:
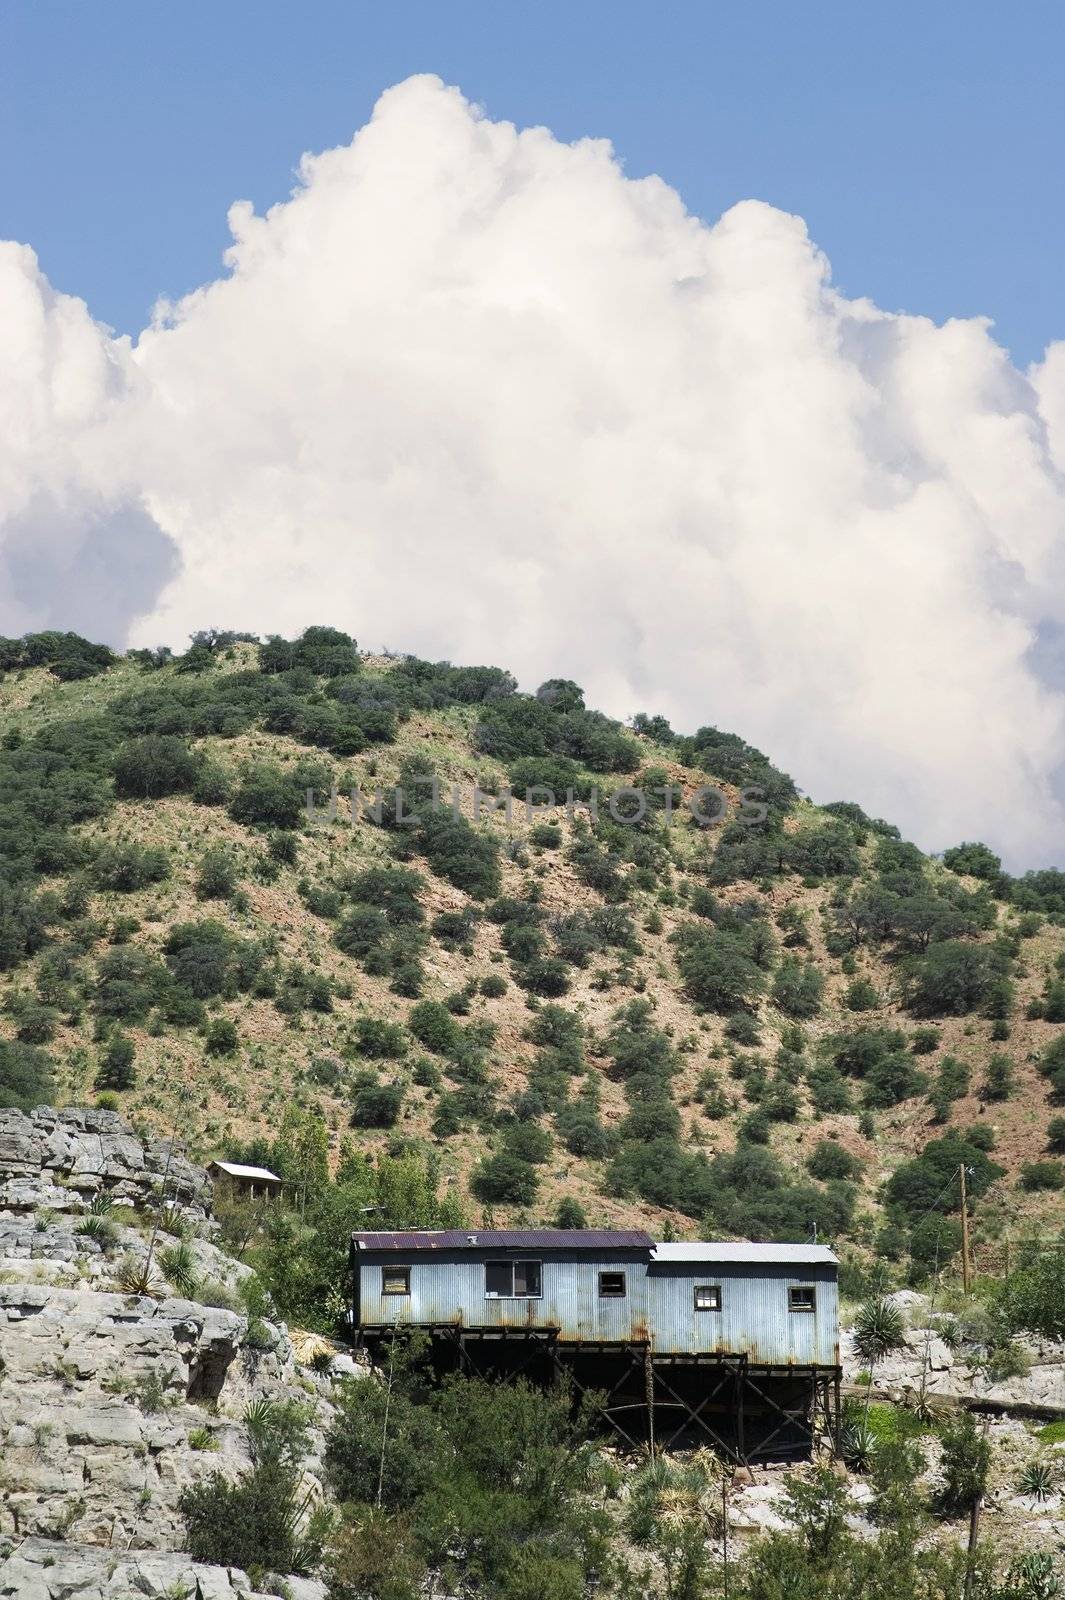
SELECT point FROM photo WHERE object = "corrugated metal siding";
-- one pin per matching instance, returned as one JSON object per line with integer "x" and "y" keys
{"x": 754, "y": 1319}
{"x": 452, "y": 1291}
{"x": 659, "y": 1304}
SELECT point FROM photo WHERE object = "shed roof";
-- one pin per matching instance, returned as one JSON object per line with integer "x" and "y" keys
{"x": 506, "y": 1238}
{"x": 699, "y": 1250}
{"x": 234, "y": 1169}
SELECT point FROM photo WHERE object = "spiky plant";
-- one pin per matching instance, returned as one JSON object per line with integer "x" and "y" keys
{"x": 101, "y": 1204}
{"x": 202, "y": 1439}
{"x": 100, "y": 1229}
{"x": 1038, "y": 1479}
{"x": 878, "y": 1330}
{"x": 179, "y": 1266}
{"x": 137, "y": 1276}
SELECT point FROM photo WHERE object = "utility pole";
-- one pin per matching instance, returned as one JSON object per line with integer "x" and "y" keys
{"x": 966, "y": 1271}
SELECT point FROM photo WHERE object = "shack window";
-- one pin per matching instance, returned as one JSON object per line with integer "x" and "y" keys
{"x": 512, "y": 1280}
{"x": 395, "y": 1280}
{"x": 802, "y": 1297}
{"x": 708, "y": 1297}
{"x": 611, "y": 1285}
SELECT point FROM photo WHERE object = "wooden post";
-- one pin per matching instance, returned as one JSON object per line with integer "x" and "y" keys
{"x": 724, "y": 1530}
{"x": 649, "y": 1389}
{"x": 974, "y": 1533}
{"x": 966, "y": 1269}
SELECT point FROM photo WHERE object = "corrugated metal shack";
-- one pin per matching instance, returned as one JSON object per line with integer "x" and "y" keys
{"x": 737, "y": 1342}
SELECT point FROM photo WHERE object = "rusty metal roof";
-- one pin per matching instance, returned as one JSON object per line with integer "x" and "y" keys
{"x": 506, "y": 1238}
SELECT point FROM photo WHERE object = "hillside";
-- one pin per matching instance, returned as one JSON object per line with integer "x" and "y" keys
{"x": 776, "y": 1022}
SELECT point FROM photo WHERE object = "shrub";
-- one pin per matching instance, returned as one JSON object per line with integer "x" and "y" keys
{"x": 743, "y": 1029}
{"x": 200, "y": 956}
{"x": 267, "y": 797}
{"x": 998, "y": 1084}
{"x": 259, "y": 1522}
{"x": 570, "y": 1214}
{"x": 392, "y": 890}
{"x": 375, "y": 1104}
{"x": 891, "y": 1080}
{"x": 464, "y": 855}
{"x": 493, "y": 986}
{"x": 212, "y": 786}
{"x": 504, "y": 1179}
{"x": 217, "y": 877}
{"x": 798, "y": 987}
{"x": 1056, "y": 1135}
{"x": 582, "y": 1132}
{"x": 432, "y": 1025}
{"x": 829, "y": 1160}
{"x": 378, "y": 1039}
{"x": 221, "y": 1038}
{"x": 122, "y": 869}
{"x": 1032, "y": 1299}
{"x": 965, "y": 1463}
{"x": 923, "y": 1041}
{"x": 284, "y": 847}
{"x": 916, "y": 1186}
{"x": 156, "y": 765}
{"x": 127, "y": 982}
{"x": 544, "y": 975}
{"x": 529, "y": 1142}
{"x": 861, "y": 995}
{"x": 116, "y": 1070}
{"x": 453, "y": 928}
{"x": 717, "y": 969}
{"x": 1042, "y": 1175}
{"x": 362, "y": 932}
{"x": 25, "y": 1076}
{"x": 951, "y": 979}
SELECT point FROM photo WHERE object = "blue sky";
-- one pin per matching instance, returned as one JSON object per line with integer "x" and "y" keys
{"x": 922, "y": 143}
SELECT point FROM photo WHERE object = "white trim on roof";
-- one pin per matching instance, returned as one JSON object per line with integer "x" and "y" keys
{"x": 233, "y": 1169}
{"x": 781, "y": 1254}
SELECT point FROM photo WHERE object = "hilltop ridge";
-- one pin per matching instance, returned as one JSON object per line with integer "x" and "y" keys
{"x": 791, "y": 1018}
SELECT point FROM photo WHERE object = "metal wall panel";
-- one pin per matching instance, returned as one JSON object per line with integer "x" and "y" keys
{"x": 659, "y": 1304}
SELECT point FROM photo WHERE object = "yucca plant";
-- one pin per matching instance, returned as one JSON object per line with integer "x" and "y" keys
{"x": 100, "y": 1229}
{"x": 878, "y": 1329}
{"x": 179, "y": 1266}
{"x": 1038, "y": 1479}
{"x": 101, "y": 1204}
{"x": 858, "y": 1440}
{"x": 202, "y": 1439}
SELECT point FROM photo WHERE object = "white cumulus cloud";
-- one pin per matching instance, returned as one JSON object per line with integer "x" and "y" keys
{"x": 472, "y": 392}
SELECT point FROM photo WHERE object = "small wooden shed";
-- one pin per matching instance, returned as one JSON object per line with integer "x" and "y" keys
{"x": 249, "y": 1183}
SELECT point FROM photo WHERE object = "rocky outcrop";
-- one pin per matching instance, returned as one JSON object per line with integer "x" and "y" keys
{"x": 55, "y": 1159}
{"x": 112, "y": 1402}
{"x": 45, "y": 1569}
{"x": 958, "y": 1371}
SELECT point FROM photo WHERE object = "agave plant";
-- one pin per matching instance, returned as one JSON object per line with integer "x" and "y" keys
{"x": 1038, "y": 1479}
{"x": 137, "y": 1275}
{"x": 101, "y": 1204}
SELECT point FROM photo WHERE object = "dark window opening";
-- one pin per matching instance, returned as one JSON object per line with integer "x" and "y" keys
{"x": 802, "y": 1297}
{"x": 708, "y": 1297}
{"x": 512, "y": 1280}
{"x": 395, "y": 1280}
{"x": 612, "y": 1285}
